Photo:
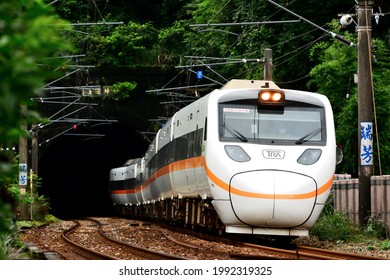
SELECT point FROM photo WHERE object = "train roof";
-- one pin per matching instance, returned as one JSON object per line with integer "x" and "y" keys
{"x": 236, "y": 83}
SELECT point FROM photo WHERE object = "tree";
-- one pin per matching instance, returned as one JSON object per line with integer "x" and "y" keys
{"x": 126, "y": 45}
{"x": 333, "y": 76}
{"x": 29, "y": 34}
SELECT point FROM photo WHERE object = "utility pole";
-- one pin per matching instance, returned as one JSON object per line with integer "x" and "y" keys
{"x": 23, "y": 170}
{"x": 365, "y": 108}
{"x": 34, "y": 148}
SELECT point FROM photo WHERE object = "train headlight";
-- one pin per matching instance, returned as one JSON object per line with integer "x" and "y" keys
{"x": 237, "y": 153}
{"x": 271, "y": 97}
{"x": 310, "y": 156}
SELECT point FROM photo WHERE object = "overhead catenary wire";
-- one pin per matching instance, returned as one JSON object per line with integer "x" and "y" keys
{"x": 243, "y": 60}
{"x": 267, "y": 20}
{"x": 334, "y": 35}
{"x": 243, "y": 23}
{"x": 302, "y": 48}
{"x": 215, "y": 72}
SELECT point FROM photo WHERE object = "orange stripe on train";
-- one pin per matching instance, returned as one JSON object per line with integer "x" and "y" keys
{"x": 200, "y": 162}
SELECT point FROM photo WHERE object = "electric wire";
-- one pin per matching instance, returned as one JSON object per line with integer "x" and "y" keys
{"x": 217, "y": 13}
{"x": 301, "y": 48}
{"x": 294, "y": 81}
{"x": 242, "y": 37}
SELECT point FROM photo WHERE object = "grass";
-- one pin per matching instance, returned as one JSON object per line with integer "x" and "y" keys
{"x": 337, "y": 227}
{"x": 5, "y": 246}
{"x": 35, "y": 223}
{"x": 10, "y": 245}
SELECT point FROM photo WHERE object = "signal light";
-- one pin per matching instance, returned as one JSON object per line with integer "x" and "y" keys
{"x": 271, "y": 97}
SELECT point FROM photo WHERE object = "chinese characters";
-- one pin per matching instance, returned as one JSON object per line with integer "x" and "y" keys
{"x": 22, "y": 174}
{"x": 366, "y": 144}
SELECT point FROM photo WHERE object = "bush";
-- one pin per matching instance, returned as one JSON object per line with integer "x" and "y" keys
{"x": 9, "y": 245}
{"x": 334, "y": 227}
{"x": 376, "y": 228}
{"x": 385, "y": 245}
{"x": 121, "y": 90}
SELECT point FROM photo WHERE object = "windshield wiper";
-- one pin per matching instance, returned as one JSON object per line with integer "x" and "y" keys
{"x": 308, "y": 136}
{"x": 235, "y": 133}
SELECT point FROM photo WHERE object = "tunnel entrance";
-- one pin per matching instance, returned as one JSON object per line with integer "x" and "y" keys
{"x": 75, "y": 170}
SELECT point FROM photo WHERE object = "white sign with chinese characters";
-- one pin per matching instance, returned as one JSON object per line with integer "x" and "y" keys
{"x": 22, "y": 174}
{"x": 366, "y": 144}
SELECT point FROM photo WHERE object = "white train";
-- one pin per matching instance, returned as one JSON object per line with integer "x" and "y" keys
{"x": 248, "y": 158}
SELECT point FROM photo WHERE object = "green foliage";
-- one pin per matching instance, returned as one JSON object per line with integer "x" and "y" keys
{"x": 29, "y": 34}
{"x": 74, "y": 10}
{"x": 120, "y": 91}
{"x": 333, "y": 76}
{"x": 337, "y": 227}
{"x": 9, "y": 244}
{"x": 7, "y": 179}
{"x": 127, "y": 45}
{"x": 385, "y": 245}
{"x": 334, "y": 227}
{"x": 6, "y": 216}
{"x": 38, "y": 204}
{"x": 51, "y": 219}
{"x": 162, "y": 12}
{"x": 376, "y": 228}
{"x": 48, "y": 218}
{"x": 6, "y": 252}
{"x": 172, "y": 43}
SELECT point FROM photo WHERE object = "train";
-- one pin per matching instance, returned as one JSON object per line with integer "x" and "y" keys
{"x": 248, "y": 158}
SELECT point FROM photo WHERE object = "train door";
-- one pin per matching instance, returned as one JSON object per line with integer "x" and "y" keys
{"x": 200, "y": 136}
{"x": 140, "y": 180}
{"x": 183, "y": 176}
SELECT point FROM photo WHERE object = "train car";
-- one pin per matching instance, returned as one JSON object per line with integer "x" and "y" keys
{"x": 124, "y": 183}
{"x": 249, "y": 158}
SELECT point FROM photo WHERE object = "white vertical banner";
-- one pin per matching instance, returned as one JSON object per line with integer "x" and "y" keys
{"x": 22, "y": 174}
{"x": 366, "y": 144}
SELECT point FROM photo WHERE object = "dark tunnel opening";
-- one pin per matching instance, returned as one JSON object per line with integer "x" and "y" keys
{"x": 75, "y": 170}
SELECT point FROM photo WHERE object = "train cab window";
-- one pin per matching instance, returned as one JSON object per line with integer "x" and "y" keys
{"x": 290, "y": 125}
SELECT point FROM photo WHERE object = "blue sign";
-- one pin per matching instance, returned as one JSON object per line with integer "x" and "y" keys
{"x": 199, "y": 74}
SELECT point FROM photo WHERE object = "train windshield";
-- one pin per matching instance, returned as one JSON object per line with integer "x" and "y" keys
{"x": 290, "y": 125}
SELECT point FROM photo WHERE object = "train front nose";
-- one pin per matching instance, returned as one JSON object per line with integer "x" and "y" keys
{"x": 271, "y": 198}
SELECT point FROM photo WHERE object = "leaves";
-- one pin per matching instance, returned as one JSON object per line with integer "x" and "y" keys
{"x": 333, "y": 74}
{"x": 121, "y": 90}
{"x": 126, "y": 45}
{"x": 29, "y": 36}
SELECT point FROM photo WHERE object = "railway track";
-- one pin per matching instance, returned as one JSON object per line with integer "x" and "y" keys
{"x": 322, "y": 254}
{"x": 300, "y": 253}
{"x": 116, "y": 238}
{"x": 167, "y": 240}
{"x": 91, "y": 242}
